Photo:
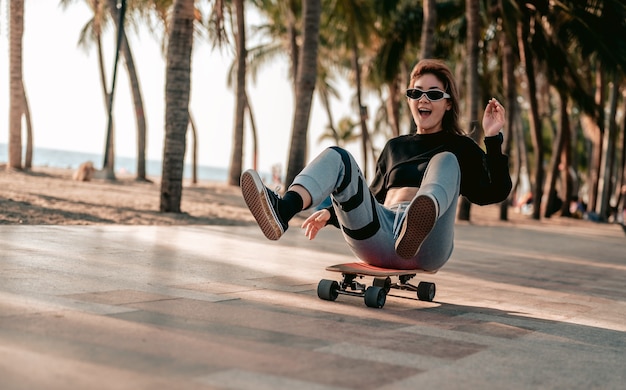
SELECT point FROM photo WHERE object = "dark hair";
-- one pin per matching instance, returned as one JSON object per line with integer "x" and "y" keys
{"x": 441, "y": 71}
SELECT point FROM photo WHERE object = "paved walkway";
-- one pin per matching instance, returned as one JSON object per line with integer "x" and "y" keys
{"x": 128, "y": 307}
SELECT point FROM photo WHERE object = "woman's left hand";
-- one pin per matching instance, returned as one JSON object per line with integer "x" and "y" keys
{"x": 315, "y": 223}
{"x": 493, "y": 118}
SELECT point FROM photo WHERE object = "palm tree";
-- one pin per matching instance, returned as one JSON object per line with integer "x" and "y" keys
{"x": 161, "y": 8}
{"x": 194, "y": 149}
{"x": 583, "y": 30}
{"x": 606, "y": 19}
{"x": 28, "y": 157}
{"x": 325, "y": 91}
{"x": 620, "y": 188}
{"x": 253, "y": 129}
{"x": 136, "y": 93}
{"x": 472, "y": 9}
{"x": 255, "y": 58}
{"x": 609, "y": 152}
{"x": 177, "y": 91}
{"x": 236, "y": 160}
{"x": 352, "y": 28}
{"x": 427, "y": 42}
{"x": 343, "y": 134}
{"x": 92, "y": 33}
{"x": 335, "y": 38}
{"x": 237, "y": 76}
{"x": 109, "y": 154}
{"x": 508, "y": 63}
{"x": 18, "y": 24}
{"x": 16, "y": 86}
{"x": 395, "y": 54}
{"x": 526, "y": 56}
{"x": 282, "y": 28}
{"x": 305, "y": 85}
{"x": 562, "y": 73}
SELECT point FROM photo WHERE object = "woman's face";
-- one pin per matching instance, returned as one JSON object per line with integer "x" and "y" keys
{"x": 427, "y": 114}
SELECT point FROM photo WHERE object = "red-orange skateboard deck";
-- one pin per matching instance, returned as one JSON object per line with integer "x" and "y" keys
{"x": 361, "y": 268}
{"x": 376, "y": 294}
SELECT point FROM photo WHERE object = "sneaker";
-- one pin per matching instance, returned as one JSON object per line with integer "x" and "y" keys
{"x": 419, "y": 220}
{"x": 263, "y": 205}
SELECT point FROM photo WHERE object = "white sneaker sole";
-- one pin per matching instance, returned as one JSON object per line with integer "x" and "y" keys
{"x": 255, "y": 195}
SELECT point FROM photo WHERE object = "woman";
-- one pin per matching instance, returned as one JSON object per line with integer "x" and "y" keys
{"x": 405, "y": 219}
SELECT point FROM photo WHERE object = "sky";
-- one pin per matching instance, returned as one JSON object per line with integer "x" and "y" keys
{"x": 67, "y": 104}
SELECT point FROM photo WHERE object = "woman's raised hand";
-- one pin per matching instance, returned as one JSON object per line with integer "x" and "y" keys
{"x": 493, "y": 118}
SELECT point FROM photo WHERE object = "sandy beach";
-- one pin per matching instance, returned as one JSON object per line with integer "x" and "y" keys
{"x": 49, "y": 196}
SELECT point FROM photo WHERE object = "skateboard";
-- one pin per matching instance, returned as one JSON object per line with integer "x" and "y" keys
{"x": 376, "y": 294}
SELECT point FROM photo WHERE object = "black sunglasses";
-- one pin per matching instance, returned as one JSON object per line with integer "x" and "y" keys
{"x": 432, "y": 94}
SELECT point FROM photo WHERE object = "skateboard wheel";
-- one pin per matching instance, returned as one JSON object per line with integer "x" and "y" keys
{"x": 382, "y": 282}
{"x": 426, "y": 291}
{"x": 375, "y": 297}
{"x": 328, "y": 290}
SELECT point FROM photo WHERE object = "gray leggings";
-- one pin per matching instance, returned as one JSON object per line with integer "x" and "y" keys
{"x": 371, "y": 229}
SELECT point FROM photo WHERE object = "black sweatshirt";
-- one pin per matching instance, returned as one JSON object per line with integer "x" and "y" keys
{"x": 485, "y": 177}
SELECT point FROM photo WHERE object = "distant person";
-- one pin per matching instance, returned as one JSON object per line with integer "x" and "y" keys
{"x": 405, "y": 219}
{"x": 556, "y": 203}
{"x": 84, "y": 172}
{"x": 577, "y": 208}
{"x": 276, "y": 176}
{"x": 525, "y": 203}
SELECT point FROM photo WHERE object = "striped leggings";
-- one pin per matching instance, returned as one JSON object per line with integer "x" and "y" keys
{"x": 369, "y": 228}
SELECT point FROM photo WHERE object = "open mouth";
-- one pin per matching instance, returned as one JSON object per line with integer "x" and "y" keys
{"x": 424, "y": 112}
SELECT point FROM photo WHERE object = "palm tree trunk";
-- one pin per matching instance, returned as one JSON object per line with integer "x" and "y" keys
{"x": 393, "y": 106}
{"x": 16, "y": 95}
{"x": 362, "y": 109}
{"x": 236, "y": 158}
{"x": 608, "y": 153}
{"x": 28, "y": 157}
{"x": 558, "y": 145}
{"x": 566, "y": 159}
{"x": 472, "y": 9}
{"x": 294, "y": 51}
{"x": 535, "y": 121}
{"x": 596, "y": 131}
{"x": 620, "y": 188}
{"x": 307, "y": 75}
{"x": 136, "y": 92}
{"x": 255, "y": 141}
{"x": 510, "y": 90}
{"x": 194, "y": 150}
{"x": 427, "y": 41}
{"x": 177, "y": 91}
{"x": 109, "y": 154}
{"x": 103, "y": 78}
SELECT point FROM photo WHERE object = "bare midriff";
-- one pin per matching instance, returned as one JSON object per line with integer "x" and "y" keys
{"x": 399, "y": 195}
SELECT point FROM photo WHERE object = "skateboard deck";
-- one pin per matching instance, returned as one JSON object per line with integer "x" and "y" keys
{"x": 361, "y": 268}
{"x": 375, "y": 295}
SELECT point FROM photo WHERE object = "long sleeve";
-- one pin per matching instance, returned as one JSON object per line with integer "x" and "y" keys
{"x": 485, "y": 176}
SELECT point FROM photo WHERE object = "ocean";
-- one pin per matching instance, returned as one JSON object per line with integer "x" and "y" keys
{"x": 43, "y": 157}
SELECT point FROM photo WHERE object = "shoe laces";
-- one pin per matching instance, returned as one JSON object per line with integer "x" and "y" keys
{"x": 274, "y": 196}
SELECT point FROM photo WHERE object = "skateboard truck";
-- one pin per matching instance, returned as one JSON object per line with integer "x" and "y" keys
{"x": 375, "y": 295}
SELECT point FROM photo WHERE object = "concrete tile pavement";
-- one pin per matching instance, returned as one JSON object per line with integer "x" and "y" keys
{"x": 518, "y": 306}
